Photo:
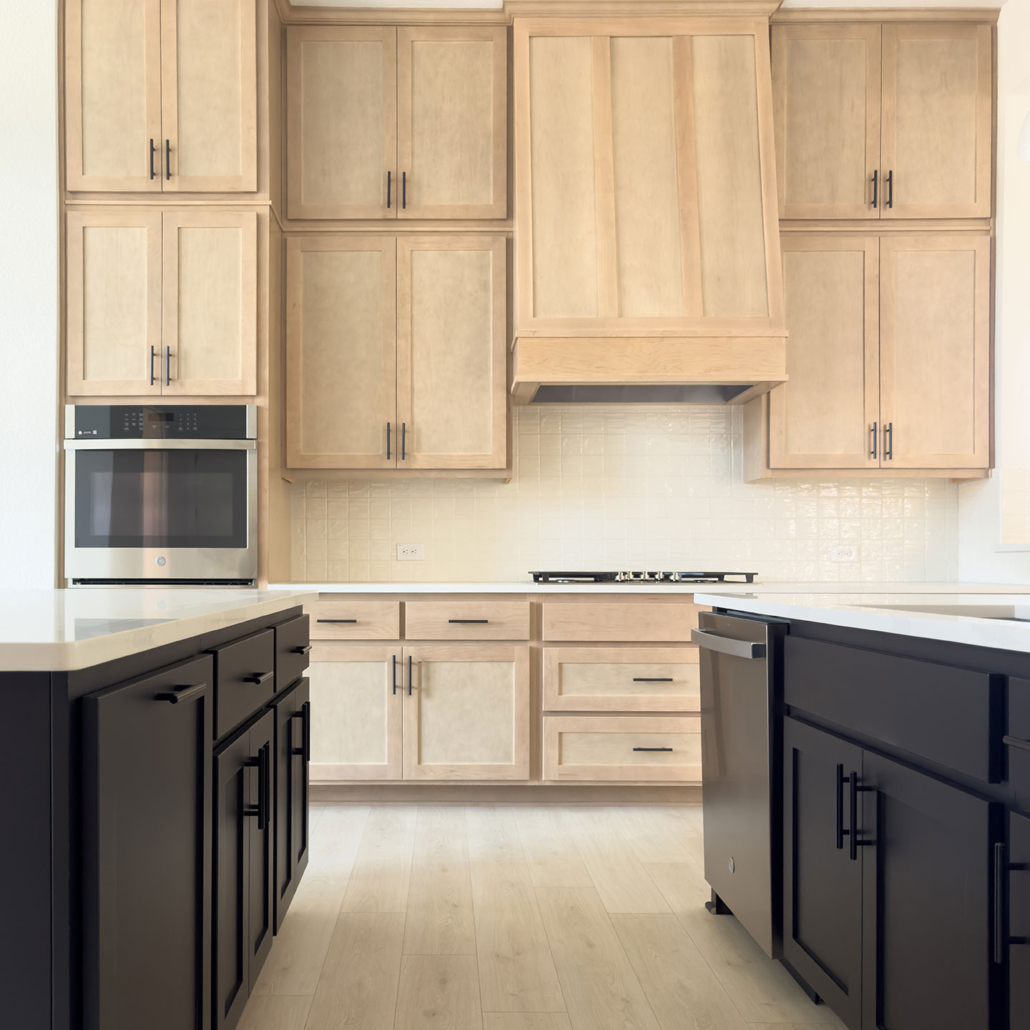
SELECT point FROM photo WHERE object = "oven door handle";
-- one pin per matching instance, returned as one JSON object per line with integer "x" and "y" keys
{"x": 726, "y": 645}
{"x": 160, "y": 445}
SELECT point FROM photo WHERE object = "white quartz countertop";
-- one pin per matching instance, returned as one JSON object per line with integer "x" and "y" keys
{"x": 953, "y": 613}
{"x": 62, "y": 630}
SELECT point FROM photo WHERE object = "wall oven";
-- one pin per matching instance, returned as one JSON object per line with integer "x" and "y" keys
{"x": 160, "y": 494}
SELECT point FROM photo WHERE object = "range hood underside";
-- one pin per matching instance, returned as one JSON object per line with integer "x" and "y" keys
{"x": 641, "y": 370}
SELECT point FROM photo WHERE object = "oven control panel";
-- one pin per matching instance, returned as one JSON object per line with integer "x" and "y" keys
{"x": 147, "y": 422}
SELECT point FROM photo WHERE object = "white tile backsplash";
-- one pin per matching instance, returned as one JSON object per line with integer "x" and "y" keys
{"x": 625, "y": 487}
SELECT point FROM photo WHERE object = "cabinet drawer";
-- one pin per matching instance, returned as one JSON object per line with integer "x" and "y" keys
{"x": 355, "y": 620}
{"x": 292, "y": 650}
{"x": 943, "y": 713}
{"x": 621, "y": 679}
{"x": 466, "y": 620}
{"x": 604, "y": 747}
{"x": 606, "y": 621}
{"x": 1018, "y": 739}
{"x": 244, "y": 679}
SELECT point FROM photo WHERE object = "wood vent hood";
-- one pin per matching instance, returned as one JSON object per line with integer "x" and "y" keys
{"x": 646, "y": 231}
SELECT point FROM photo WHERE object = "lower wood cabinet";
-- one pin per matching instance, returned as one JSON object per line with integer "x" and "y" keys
{"x": 884, "y": 855}
{"x": 292, "y": 756}
{"x": 146, "y": 867}
{"x": 244, "y": 881}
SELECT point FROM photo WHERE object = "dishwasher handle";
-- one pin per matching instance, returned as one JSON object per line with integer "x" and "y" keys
{"x": 727, "y": 645}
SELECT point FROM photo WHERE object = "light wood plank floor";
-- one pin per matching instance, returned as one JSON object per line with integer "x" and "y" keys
{"x": 420, "y": 917}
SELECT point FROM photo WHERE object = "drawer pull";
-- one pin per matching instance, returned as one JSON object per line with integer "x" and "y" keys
{"x": 652, "y": 749}
{"x": 471, "y": 622}
{"x": 258, "y": 677}
{"x": 302, "y": 649}
{"x": 1022, "y": 745}
{"x": 181, "y": 694}
{"x": 336, "y": 620}
{"x": 652, "y": 679}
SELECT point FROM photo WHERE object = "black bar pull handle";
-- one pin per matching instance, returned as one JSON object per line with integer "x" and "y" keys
{"x": 389, "y": 185}
{"x": 305, "y": 710}
{"x": 168, "y": 366}
{"x": 888, "y": 441}
{"x": 872, "y": 453}
{"x": 168, "y": 159}
{"x": 393, "y": 677}
{"x": 409, "y": 675}
{"x": 181, "y": 694}
{"x": 153, "y": 353}
{"x": 301, "y": 649}
{"x": 259, "y": 678}
{"x": 387, "y": 441}
{"x": 1000, "y": 869}
{"x": 652, "y": 749}
{"x": 261, "y": 810}
{"x": 1016, "y": 742}
{"x": 876, "y": 184}
{"x": 890, "y": 188}
{"x": 404, "y": 441}
{"x": 841, "y": 832}
{"x": 336, "y": 620}
{"x": 854, "y": 843}
{"x": 404, "y": 189}
{"x": 153, "y": 174}
{"x": 652, "y": 679}
{"x": 474, "y": 622}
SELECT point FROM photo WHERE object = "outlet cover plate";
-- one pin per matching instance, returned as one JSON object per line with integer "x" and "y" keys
{"x": 844, "y": 552}
{"x": 409, "y": 552}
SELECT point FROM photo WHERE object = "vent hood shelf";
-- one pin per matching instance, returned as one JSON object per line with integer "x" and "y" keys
{"x": 646, "y": 231}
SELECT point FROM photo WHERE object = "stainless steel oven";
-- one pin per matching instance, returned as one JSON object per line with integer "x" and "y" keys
{"x": 160, "y": 494}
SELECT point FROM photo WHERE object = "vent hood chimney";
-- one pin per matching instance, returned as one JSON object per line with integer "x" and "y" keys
{"x": 646, "y": 229}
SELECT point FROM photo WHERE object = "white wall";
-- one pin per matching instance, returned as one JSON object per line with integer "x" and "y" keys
{"x": 28, "y": 292}
{"x": 981, "y": 504}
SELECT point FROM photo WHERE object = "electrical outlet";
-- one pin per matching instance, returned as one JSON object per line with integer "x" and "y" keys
{"x": 409, "y": 552}
{"x": 844, "y": 552}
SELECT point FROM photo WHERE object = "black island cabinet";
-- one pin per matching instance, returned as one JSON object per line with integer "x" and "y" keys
{"x": 158, "y": 814}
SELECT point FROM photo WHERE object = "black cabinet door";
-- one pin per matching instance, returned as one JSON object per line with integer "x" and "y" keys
{"x": 822, "y": 873}
{"x": 243, "y": 882}
{"x": 1019, "y": 920}
{"x": 147, "y": 851}
{"x": 928, "y": 903}
{"x": 292, "y": 755}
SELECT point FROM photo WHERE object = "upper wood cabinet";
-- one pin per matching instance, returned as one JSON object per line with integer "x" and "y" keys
{"x": 645, "y": 200}
{"x": 889, "y": 356}
{"x": 395, "y": 352}
{"x": 161, "y": 95}
{"x": 397, "y": 123}
{"x": 161, "y": 303}
{"x": 883, "y": 121}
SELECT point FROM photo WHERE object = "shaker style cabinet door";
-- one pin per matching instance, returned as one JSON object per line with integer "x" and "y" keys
{"x": 935, "y": 362}
{"x": 826, "y": 104}
{"x": 822, "y": 868}
{"x": 113, "y": 95}
{"x": 113, "y": 306}
{"x": 452, "y": 122}
{"x": 356, "y": 691}
{"x": 210, "y": 303}
{"x": 1019, "y": 920}
{"x": 147, "y": 852}
{"x": 341, "y": 352}
{"x": 937, "y": 128}
{"x": 466, "y": 713}
{"x": 209, "y": 95}
{"x": 827, "y": 414}
{"x": 451, "y": 357}
{"x": 341, "y": 116}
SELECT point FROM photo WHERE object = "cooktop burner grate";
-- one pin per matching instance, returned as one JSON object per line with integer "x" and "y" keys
{"x": 644, "y": 577}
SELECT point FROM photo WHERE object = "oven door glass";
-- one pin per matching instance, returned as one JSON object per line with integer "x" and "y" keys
{"x": 166, "y": 499}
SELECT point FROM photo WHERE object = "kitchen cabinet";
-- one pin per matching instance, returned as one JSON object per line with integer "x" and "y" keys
{"x": 161, "y": 96}
{"x": 389, "y": 122}
{"x": 355, "y": 688}
{"x": 161, "y": 303}
{"x": 244, "y": 881}
{"x": 645, "y": 178}
{"x": 146, "y": 865}
{"x": 883, "y": 121}
{"x": 290, "y": 784}
{"x": 383, "y": 334}
{"x": 889, "y": 357}
{"x": 1019, "y": 920}
{"x": 466, "y": 712}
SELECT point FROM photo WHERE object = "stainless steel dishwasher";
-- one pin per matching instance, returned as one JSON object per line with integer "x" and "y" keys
{"x": 741, "y": 754}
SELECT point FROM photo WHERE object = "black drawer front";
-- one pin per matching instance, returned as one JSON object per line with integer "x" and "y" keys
{"x": 1018, "y": 739}
{"x": 292, "y": 650}
{"x": 945, "y": 714}
{"x": 244, "y": 679}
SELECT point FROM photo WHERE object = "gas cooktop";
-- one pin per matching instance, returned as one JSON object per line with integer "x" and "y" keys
{"x": 650, "y": 578}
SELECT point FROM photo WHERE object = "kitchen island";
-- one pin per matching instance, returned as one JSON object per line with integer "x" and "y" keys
{"x": 155, "y": 804}
{"x": 901, "y": 859}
